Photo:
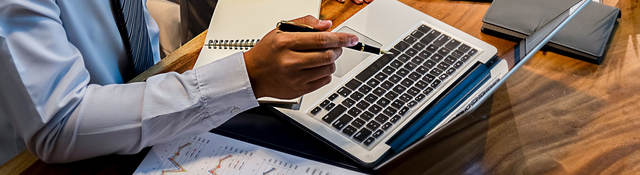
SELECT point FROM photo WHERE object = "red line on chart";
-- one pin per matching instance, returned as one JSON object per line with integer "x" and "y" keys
{"x": 213, "y": 171}
{"x": 172, "y": 159}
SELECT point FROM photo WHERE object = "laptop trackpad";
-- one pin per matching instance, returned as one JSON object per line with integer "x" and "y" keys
{"x": 351, "y": 58}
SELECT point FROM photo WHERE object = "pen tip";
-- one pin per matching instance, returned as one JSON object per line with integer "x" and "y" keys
{"x": 384, "y": 52}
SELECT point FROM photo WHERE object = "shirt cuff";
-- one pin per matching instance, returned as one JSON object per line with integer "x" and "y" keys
{"x": 225, "y": 88}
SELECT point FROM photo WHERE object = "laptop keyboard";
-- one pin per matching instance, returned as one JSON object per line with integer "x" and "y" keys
{"x": 381, "y": 96}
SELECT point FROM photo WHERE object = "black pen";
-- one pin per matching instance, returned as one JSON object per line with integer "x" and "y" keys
{"x": 288, "y": 26}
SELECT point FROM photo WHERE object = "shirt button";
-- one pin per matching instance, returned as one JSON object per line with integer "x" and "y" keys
{"x": 234, "y": 110}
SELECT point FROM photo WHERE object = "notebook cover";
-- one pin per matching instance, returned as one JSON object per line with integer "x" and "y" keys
{"x": 585, "y": 37}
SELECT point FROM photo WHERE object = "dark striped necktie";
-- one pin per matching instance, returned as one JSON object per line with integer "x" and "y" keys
{"x": 130, "y": 15}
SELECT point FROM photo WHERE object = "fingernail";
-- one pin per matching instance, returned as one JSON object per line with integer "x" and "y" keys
{"x": 354, "y": 41}
{"x": 326, "y": 22}
{"x": 341, "y": 1}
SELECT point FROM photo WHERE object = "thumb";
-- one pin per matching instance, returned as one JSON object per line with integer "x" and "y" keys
{"x": 314, "y": 22}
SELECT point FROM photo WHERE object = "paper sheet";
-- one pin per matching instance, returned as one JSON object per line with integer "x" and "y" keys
{"x": 213, "y": 154}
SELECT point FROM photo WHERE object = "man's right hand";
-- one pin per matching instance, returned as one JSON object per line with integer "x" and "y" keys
{"x": 290, "y": 64}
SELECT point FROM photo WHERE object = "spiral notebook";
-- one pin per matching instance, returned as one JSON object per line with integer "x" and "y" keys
{"x": 244, "y": 20}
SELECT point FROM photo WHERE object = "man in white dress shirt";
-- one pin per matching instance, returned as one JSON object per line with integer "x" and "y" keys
{"x": 63, "y": 65}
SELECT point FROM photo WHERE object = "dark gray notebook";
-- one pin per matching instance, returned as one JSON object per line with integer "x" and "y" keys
{"x": 585, "y": 37}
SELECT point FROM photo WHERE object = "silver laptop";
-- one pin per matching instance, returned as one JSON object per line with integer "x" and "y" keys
{"x": 379, "y": 106}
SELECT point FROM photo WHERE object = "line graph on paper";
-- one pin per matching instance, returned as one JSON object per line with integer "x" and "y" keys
{"x": 213, "y": 154}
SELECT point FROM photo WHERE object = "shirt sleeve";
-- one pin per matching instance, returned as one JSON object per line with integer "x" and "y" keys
{"x": 69, "y": 119}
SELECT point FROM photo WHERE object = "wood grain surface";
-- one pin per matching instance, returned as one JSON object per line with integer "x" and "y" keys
{"x": 556, "y": 115}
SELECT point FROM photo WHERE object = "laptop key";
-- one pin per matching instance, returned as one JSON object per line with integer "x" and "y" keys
{"x": 458, "y": 64}
{"x": 404, "y": 58}
{"x": 450, "y": 60}
{"x": 380, "y": 76}
{"x": 432, "y": 35}
{"x": 425, "y": 54}
{"x": 395, "y": 119}
{"x": 472, "y": 52}
{"x": 412, "y": 104}
{"x": 428, "y": 78}
{"x": 427, "y": 91}
{"x": 443, "y": 66}
{"x": 386, "y": 126}
{"x": 375, "y": 66}
{"x": 452, "y": 44}
{"x": 464, "y": 48}
{"x": 424, "y": 28}
{"x": 450, "y": 71}
{"x": 402, "y": 72}
{"x": 421, "y": 84}
{"x": 362, "y": 105}
{"x": 429, "y": 63}
{"x": 370, "y": 98}
{"x": 366, "y": 116}
{"x": 437, "y": 57}
{"x": 410, "y": 66}
{"x": 354, "y": 111}
{"x": 399, "y": 89}
{"x": 395, "y": 64}
{"x": 353, "y": 84}
{"x": 410, "y": 39}
{"x": 417, "y": 33}
{"x": 377, "y": 134}
{"x": 419, "y": 46}
{"x": 413, "y": 91}
{"x": 465, "y": 58}
{"x": 388, "y": 70}
{"x": 419, "y": 97}
{"x": 403, "y": 111}
{"x": 422, "y": 70}
{"x": 381, "y": 118}
{"x": 397, "y": 104}
{"x": 368, "y": 141}
{"x": 379, "y": 91}
{"x": 344, "y": 91}
{"x": 374, "y": 109}
{"x": 325, "y": 103}
{"x": 383, "y": 102}
{"x": 333, "y": 114}
{"x": 391, "y": 95}
{"x": 405, "y": 97}
{"x": 357, "y": 123}
{"x": 386, "y": 85}
{"x": 443, "y": 76}
{"x": 348, "y": 102}
{"x": 364, "y": 89}
{"x": 457, "y": 54}
{"x": 444, "y": 51}
{"x": 418, "y": 60}
{"x": 414, "y": 76}
{"x": 330, "y": 106}
{"x": 441, "y": 40}
{"x": 389, "y": 111}
{"x": 401, "y": 46}
{"x": 434, "y": 71}
{"x": 373, "y": 125}
{"x": 411, "y": 52}
{"x": 333, "y": 96}
{"x": 373, "y": 82}
{"x": 349, "y": 130}
{"x": 432, "y": 48}
{"x": 435, "y": 83}
{"x": 342, "y": 121}
{"x": 394, "y": 78}
{"x": 406, "y": 82}
{"x": 362, "y": 134}
{"x": 315, "y": 110}
{"x": 356, "y": 96}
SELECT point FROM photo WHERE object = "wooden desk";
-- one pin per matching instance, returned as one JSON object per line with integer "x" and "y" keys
{"x": 556, "y": 115}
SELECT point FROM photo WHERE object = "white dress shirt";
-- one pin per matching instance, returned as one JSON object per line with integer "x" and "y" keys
{"x": 64, "y": 60}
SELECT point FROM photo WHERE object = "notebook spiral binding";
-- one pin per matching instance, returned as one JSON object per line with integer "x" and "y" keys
{"x": 232, "y": 44}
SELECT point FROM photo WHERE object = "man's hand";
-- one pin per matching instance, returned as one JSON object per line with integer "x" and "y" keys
{"x": 358, "y": 1}
{"x": 289, "y": 64}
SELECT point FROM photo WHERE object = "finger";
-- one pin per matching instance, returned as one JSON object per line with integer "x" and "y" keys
{"x": 357, "y": 1}
{"x": 314, "y": 22}
{"x": 313, "y": 59}
{"x": 318, "y": 72}
{"x": 320, "y": 40}
{"x": 316, "y": 84}
{"x": 341, "y": 1}
{"x": 368, "y": 1}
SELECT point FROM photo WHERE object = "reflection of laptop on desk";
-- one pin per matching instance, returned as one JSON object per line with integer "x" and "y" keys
{"x": 377, "y": 106}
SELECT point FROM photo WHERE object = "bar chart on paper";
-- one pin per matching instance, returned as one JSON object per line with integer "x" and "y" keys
{"x": 212, "y": 154}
